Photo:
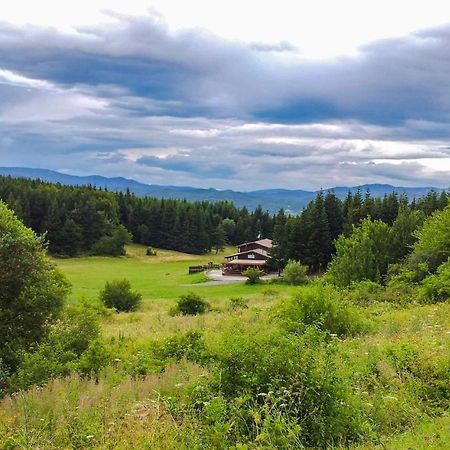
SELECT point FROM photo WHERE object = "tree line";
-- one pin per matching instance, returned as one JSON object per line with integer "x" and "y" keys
{"x": 87, "y": 219}
{"x": 92, "y": 220}
{"x": 311, "y": 236}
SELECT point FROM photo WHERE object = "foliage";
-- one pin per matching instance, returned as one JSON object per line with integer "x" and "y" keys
{"x": 151, "y": 252}
{"x": 191, "y": 304}
{"x": 433, "y": 244}
{"x": 295, "y": 273}
{"x": 237, "y": 303}
{"x": 279, "y": 250}
{"x": 190, "y": 345}
{"x": 77, "y": 218}
{"x": 253, "y": 275}
{"x": 113, "y": 245}
{"x": 218, "y": 238}
{"x": 403, "y": 232}
{"x": 364, "y": 255}
{"x": 72, "y": 344}
{"x": 267, "y": 383}
{"x": 436, "y": 287}
{"x": 32, "y": 290}
{"x": 118, "y": 294}
{"x": 323, "y": 307}
{"x": 364, "y": 292}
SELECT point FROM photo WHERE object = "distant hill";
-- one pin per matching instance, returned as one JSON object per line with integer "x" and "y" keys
{"x": 270, "y": 199}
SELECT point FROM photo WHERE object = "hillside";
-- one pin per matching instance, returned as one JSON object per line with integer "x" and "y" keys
{"x": 270, "y": 199}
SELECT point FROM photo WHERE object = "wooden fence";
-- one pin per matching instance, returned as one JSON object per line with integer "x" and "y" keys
{"x": 209, "y": 266}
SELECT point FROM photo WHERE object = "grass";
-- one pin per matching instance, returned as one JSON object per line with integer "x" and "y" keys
{"x": 161, "y": 280}
{"x": 160, "y": 277}
{"x": 126, "y": 412}
{"x": 120, "y": 411}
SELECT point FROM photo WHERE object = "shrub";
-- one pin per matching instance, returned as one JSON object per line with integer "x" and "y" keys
{"x": 117, "y": 294}
{"x": 151, "y": 251}
{"x": 237, "y": 303}
{"x": 436, "y": 288}
{"x": 113, "y": 245}
{"x": 253, "y": 275}
{"x": 364, "y": 255}
{"x": 94, "y": 358}
{"x": 63, "y": 349}
{"x": 364, "y": 292}
{"x": 268, "y": 383}
{"x": 323, "y": 307}
{"x": 189, "y": 345}
{"x": 433, "y": 243}
{"x": 191, "y": 304}
{"x": 295, "y": 273}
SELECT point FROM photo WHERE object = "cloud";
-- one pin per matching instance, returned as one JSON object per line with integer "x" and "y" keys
{"x": 189, "y": 165}
{"x": 387, "y": 82}
{"x": 134, "y": 98}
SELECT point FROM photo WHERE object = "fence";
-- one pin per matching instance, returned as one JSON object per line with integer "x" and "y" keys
{"x": 209, "y": 266}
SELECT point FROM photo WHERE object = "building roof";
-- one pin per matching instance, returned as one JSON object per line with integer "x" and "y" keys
{"x": 257, "y": 251}
{"x": 263, "y": 242}
{"x": 246, "y": 262}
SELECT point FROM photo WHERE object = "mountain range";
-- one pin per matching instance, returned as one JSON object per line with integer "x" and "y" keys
{"x": 270, "y": 199}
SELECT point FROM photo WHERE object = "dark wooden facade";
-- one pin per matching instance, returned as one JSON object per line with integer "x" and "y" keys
{"x": 249, "y": 255}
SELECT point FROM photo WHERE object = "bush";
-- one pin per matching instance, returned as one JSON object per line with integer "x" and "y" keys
{"x": 191, "y": 304}
{"x": 117, "y": 294}
{"x": 237, "y": 303}
{"x": 253, "y": 275}
{"x": 267, "y": 384}
{"x": 190, "y": 345}
{"x": 324, "y": 308}
{"x": 436, "y": 288}
{"x": 113, "y": 245}
{"x": 364, "y": 255}
{"x": 433, "y": 244}
{"x": 66, "y": 348}
{"x": 295, "y": 273}
{"x": 364, "y": 292}
{"x": 151, "y": 251}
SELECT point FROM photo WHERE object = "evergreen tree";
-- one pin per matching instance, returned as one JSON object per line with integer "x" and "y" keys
{"x": 218, "y": 238}
{"x": 319, "y": 245}
{"x": 279, "y": 252}
{"x": 335, "y": 217}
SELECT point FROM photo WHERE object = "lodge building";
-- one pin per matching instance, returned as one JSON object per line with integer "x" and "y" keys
{"x": 252, "y": 255}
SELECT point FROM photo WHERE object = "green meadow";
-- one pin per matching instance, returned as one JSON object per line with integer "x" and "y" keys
{"x": 160, "y": 277}
{"x": 385, "y": 373}
{"x": 161, "y": 280}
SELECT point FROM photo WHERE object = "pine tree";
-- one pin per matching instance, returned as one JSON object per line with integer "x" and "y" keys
{"x": 279, "y": 252}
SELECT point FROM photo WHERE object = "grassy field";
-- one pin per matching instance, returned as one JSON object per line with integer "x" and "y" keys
{"x": 396, "y": 366}
{"x": 161, "y": 280}
{"x": 164, "y": 276}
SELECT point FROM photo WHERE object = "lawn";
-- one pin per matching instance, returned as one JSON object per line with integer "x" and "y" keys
{"x": 164, "y": 276}
{"x": 161, "y": 280}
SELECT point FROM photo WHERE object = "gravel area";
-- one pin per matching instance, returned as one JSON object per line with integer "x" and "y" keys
{"x": 216, "y": 278}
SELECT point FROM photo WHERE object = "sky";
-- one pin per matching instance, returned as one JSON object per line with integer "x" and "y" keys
{"x": 232, "y": 95}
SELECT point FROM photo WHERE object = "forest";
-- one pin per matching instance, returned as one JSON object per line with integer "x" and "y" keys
{"x": 79, "y": 220}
